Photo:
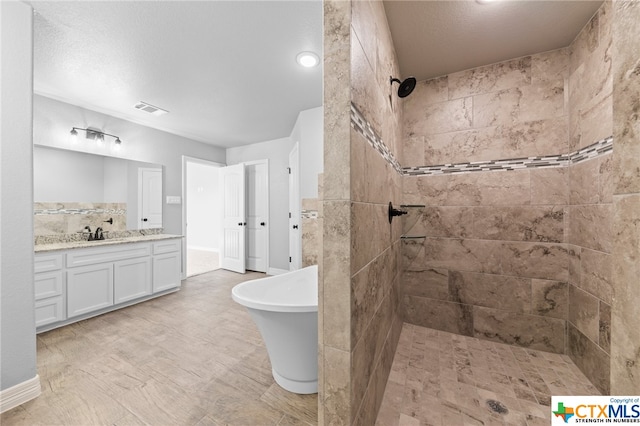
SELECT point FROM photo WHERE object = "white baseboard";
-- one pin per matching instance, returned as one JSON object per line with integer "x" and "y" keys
{"x": 19, "y": 394}
{"x": 276, "y": 271}
{"x": 203, "y": 249}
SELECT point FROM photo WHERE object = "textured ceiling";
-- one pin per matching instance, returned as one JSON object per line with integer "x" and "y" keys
{"x": 225, "y": 70}
{"x": 434, "y": 38}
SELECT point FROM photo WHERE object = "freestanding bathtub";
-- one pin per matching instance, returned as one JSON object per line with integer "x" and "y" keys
{"x": 285, "y": 309}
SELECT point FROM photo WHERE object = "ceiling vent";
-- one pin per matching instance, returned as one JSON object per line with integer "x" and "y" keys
{"x": 143, "y": 106}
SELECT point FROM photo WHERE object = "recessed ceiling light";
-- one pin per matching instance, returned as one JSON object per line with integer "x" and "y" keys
{"x": 307, "y": 59}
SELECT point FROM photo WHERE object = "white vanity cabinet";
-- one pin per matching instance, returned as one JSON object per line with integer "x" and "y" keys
{"x": 78, "y": 283}
{"x": 49, "y": 289}
{"x": 166, "y": 264}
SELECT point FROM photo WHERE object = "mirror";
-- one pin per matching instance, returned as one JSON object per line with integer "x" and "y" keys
{"x": 74, "y": 189}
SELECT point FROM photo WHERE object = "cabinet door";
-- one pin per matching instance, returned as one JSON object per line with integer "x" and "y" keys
{"x": 166, "y": 271}
{"x": 132, "y": 279}
{"x": 89, "y": 288}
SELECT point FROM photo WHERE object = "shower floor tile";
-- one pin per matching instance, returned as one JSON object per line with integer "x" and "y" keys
{"x": 439, "y": 378}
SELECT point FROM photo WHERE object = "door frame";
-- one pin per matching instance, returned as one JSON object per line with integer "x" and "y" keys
{"x": 186, "y": 159}
{"x": 268, "y": 243}
{"x": 295, "y": 209}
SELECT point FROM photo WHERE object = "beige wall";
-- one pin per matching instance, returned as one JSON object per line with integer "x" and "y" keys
{"x": 520, "y": 256}
{"x": 590, "y": 201}
{"x": 493, "y": 264}
{"x": 545, "y": 258}
{"x": 360, "y": 323}
{"x": 625, "y": 333}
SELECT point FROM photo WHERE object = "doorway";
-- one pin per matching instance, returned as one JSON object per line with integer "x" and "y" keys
{"x": 201, "y": 216}
{"x": 244, "y": 198}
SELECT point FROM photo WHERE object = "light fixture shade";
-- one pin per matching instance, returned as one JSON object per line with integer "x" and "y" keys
{"x": 73, "y": 136}
{"x": 307, "y": 59}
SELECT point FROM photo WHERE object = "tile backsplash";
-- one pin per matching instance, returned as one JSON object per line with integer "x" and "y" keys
{"x": 54, "y": 218}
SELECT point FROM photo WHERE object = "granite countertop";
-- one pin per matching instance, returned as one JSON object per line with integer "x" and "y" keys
{"x": 39, "y": 248}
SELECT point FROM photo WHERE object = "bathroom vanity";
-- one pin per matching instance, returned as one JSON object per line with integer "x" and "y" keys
{"x": 82, "y": 279}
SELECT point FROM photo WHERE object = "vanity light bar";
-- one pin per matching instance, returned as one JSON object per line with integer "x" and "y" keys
{"x": 97, "y": 135}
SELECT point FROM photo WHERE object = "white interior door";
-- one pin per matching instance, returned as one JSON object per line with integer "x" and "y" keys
{"x": 295, "y": 233}
{"x": 257, "y": 215}
{"x": 150, "y": 196}
{"x": 232, "y": 236}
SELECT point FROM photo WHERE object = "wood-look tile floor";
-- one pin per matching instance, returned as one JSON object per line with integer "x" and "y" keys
{"x": 439, "y": 378}
{"x": 189, "y": 358}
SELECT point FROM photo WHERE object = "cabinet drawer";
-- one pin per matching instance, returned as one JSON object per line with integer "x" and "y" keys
{"x": 47, "y": 262}
{"x": 93, "y": 255}
{"x": 167, "y": 246}
{"x": 49, "y": 311}
{"x": 48, "y": 284}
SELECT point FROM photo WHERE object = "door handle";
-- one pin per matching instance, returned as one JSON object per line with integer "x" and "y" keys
{"x": 262, "y": 224}
{"x": 145, "y": 219}
{"x": 295, "y": 226}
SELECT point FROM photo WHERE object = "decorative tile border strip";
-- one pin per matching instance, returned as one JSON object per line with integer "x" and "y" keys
{"x": 597, "y": 149}
{"x": 362, "y": 126}
{"x": 309, "y": 214}
{"x": 114, "y": 212}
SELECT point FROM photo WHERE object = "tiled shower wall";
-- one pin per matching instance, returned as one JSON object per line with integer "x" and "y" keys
{"x": 361, "y": 275}
{"x": 375, "y": 181}
{"x": 502, "y": 255}
{"x": 625, "y": 333}
{"x": 590, "y": 201}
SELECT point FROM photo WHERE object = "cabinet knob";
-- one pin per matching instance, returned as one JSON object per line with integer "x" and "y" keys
{"x": 262, "y": 224}
{"x": 295, "y": 226}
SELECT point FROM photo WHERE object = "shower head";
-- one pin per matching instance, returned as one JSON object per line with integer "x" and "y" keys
{"x": 406, "y": 86}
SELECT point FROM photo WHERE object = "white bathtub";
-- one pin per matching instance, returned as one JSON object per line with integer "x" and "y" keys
{"x": 285, "y": 309}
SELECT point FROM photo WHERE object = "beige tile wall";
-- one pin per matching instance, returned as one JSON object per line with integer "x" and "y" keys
{"x": 522, "y": 257}
{"x": 361, "y": 249}
{"x": 590, "y": 210}
{"x": 334, "y": 314}
{"x": 625, "y": 333}
{"x": 494, "y": 264}
{"x": 519, "y": 256}
{"x": 375, "y": 244}
{"x": 67, "y": 218}
{"x": 312, "y": 223}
